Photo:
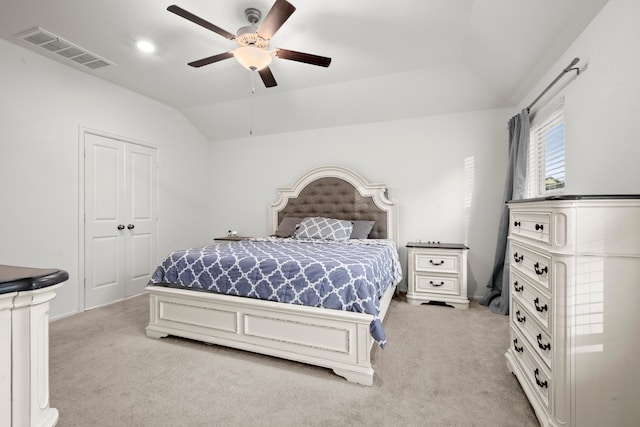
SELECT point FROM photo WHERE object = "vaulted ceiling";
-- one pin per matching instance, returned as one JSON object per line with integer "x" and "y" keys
{"x": 390, "y": 59}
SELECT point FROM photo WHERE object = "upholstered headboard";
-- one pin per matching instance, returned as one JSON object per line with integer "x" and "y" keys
{"x": 336, "y": 192}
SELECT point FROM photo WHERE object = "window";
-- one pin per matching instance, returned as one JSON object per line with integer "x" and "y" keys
{"x": 545, "y": 172}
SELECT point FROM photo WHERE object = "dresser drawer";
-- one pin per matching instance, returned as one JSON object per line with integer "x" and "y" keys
{"x": 536, "y": 374}
{"x": 531, "y": 225}
{"x": 531, "y": 264}
{"x": 444, "y": 263}
{"x": 536, "y": 302}
{"x": 434, "y": 284}
{"x": 536, "y": 335}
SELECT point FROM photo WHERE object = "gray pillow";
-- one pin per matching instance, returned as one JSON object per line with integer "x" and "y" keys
{"x": 288, "y": 226}
{"x": 323, "y": 228}
{"x": 361, "y": 229}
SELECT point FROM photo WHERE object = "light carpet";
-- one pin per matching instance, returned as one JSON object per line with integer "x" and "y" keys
{"x": 441, "y": 367}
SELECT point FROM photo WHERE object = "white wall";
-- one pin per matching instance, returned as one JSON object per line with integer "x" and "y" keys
{"x": 425, "y": 162}
{"x": 42, "y": 106}
{"x": 602, "y": 103}
{"x": 422, "y": 159}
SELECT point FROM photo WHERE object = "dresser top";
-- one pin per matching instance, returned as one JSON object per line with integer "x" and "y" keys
{"x": 436, "y": 245}
{"x": 580, "y": 197}
{"x": 17, "y": 279}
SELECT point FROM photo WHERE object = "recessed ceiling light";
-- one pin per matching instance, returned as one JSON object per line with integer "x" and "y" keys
{"x": 145, "y": 46}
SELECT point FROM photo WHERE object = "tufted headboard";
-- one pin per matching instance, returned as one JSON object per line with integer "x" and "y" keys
{"x": 336, "y": 192}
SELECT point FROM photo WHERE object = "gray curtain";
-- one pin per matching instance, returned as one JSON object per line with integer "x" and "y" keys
{"x": 514, "y": 189}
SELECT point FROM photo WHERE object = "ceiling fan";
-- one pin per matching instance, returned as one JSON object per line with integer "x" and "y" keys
{"x": 253, "y": 41}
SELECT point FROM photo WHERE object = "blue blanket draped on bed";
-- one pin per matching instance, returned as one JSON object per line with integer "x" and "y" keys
{"x": 343, "y": 275}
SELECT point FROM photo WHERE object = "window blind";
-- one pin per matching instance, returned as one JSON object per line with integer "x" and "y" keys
{"x": 546, "y": 173}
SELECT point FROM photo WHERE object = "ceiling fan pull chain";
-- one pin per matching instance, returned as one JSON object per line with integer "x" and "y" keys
{"x": 253, "y": 82}
{"x": 253, "y": 91}
{"x": 250, "y": 116}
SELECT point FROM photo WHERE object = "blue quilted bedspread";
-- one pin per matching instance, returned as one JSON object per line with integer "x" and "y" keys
{"x": 343, "y": 275}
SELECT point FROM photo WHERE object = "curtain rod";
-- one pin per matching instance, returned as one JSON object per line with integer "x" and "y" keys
{"x": 569, "y": 67}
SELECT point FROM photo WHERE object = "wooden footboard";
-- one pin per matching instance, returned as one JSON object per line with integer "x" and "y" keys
{"x": 339, "y": 340}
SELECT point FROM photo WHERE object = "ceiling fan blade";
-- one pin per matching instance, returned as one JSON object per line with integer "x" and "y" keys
{"x": 211, "y": 59}
{"x": 203, "y": 23}
{"x": 267, "y": 77}
{"x": 307, "y": 58}
{"x": 277, "y": 15}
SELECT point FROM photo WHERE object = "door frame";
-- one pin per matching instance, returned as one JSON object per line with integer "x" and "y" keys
{"x": 82, "y": 132}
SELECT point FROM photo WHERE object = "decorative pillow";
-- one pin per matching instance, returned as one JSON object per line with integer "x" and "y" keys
{"x": 287, "y": 227}
{"x": 361, "y": 229}
{"x": 323, "y": 228}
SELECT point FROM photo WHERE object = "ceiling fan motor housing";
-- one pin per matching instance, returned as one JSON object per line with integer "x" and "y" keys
{"x": 253, "y": 15}
{"x": 247, "y": 36}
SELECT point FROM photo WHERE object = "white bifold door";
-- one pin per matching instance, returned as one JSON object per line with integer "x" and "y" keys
{"x": 121, "y": 219}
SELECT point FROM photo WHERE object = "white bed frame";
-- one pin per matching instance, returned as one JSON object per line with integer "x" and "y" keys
{"x": 339, "y": 340}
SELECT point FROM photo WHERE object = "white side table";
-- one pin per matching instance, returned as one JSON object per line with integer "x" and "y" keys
{"x": 437, "y": 272}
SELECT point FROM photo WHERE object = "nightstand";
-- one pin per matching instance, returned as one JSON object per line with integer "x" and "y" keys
{"x": 231, "y": 238}
{"x": 437, "y": 272}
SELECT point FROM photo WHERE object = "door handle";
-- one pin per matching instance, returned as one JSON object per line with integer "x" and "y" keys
{"x": 130, "y": 227}
{"x": 120, "y": 226}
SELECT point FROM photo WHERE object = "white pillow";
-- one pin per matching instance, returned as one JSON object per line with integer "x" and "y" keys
{"x": 323, "y": 228}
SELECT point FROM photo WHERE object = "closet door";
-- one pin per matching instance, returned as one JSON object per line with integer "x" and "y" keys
{"x": 141, "y": 217}
{"x": 120, "y": 218}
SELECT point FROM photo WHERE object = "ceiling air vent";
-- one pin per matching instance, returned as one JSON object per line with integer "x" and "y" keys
{"x": 54, "y": 44}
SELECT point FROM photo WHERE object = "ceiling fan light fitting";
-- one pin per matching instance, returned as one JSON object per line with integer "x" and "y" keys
{"x": 252, "y": 58}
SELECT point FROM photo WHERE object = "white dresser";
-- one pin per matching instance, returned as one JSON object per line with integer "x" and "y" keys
{"x": 575, "y": 308}
{"x": 437, "y": 272}
{"x": 24, "y": 345}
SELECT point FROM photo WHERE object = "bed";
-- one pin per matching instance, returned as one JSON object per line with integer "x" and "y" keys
{"x": 185, "y": 298}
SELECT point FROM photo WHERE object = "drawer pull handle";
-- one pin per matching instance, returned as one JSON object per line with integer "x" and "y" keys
{"x": 515, "y": 346}
{"x": 539, "y": 271}
{"x": 435, "y": 284}
{"x": 539, "y": 227}
{"x": 538, "y": 307}
{"x": 516, "y": 287}
{"x": 436, "y": 263}
{"x": 517, "y": 257}
{"x": 542, "y": 384}
{"x": 520, "y": 319}
{"x": 517, "y": 224}
{"x": 546, "y": 346}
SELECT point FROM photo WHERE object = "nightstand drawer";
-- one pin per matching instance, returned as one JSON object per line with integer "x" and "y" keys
{"x": 445, "y": 263}
{"x": 436, "y": 284}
